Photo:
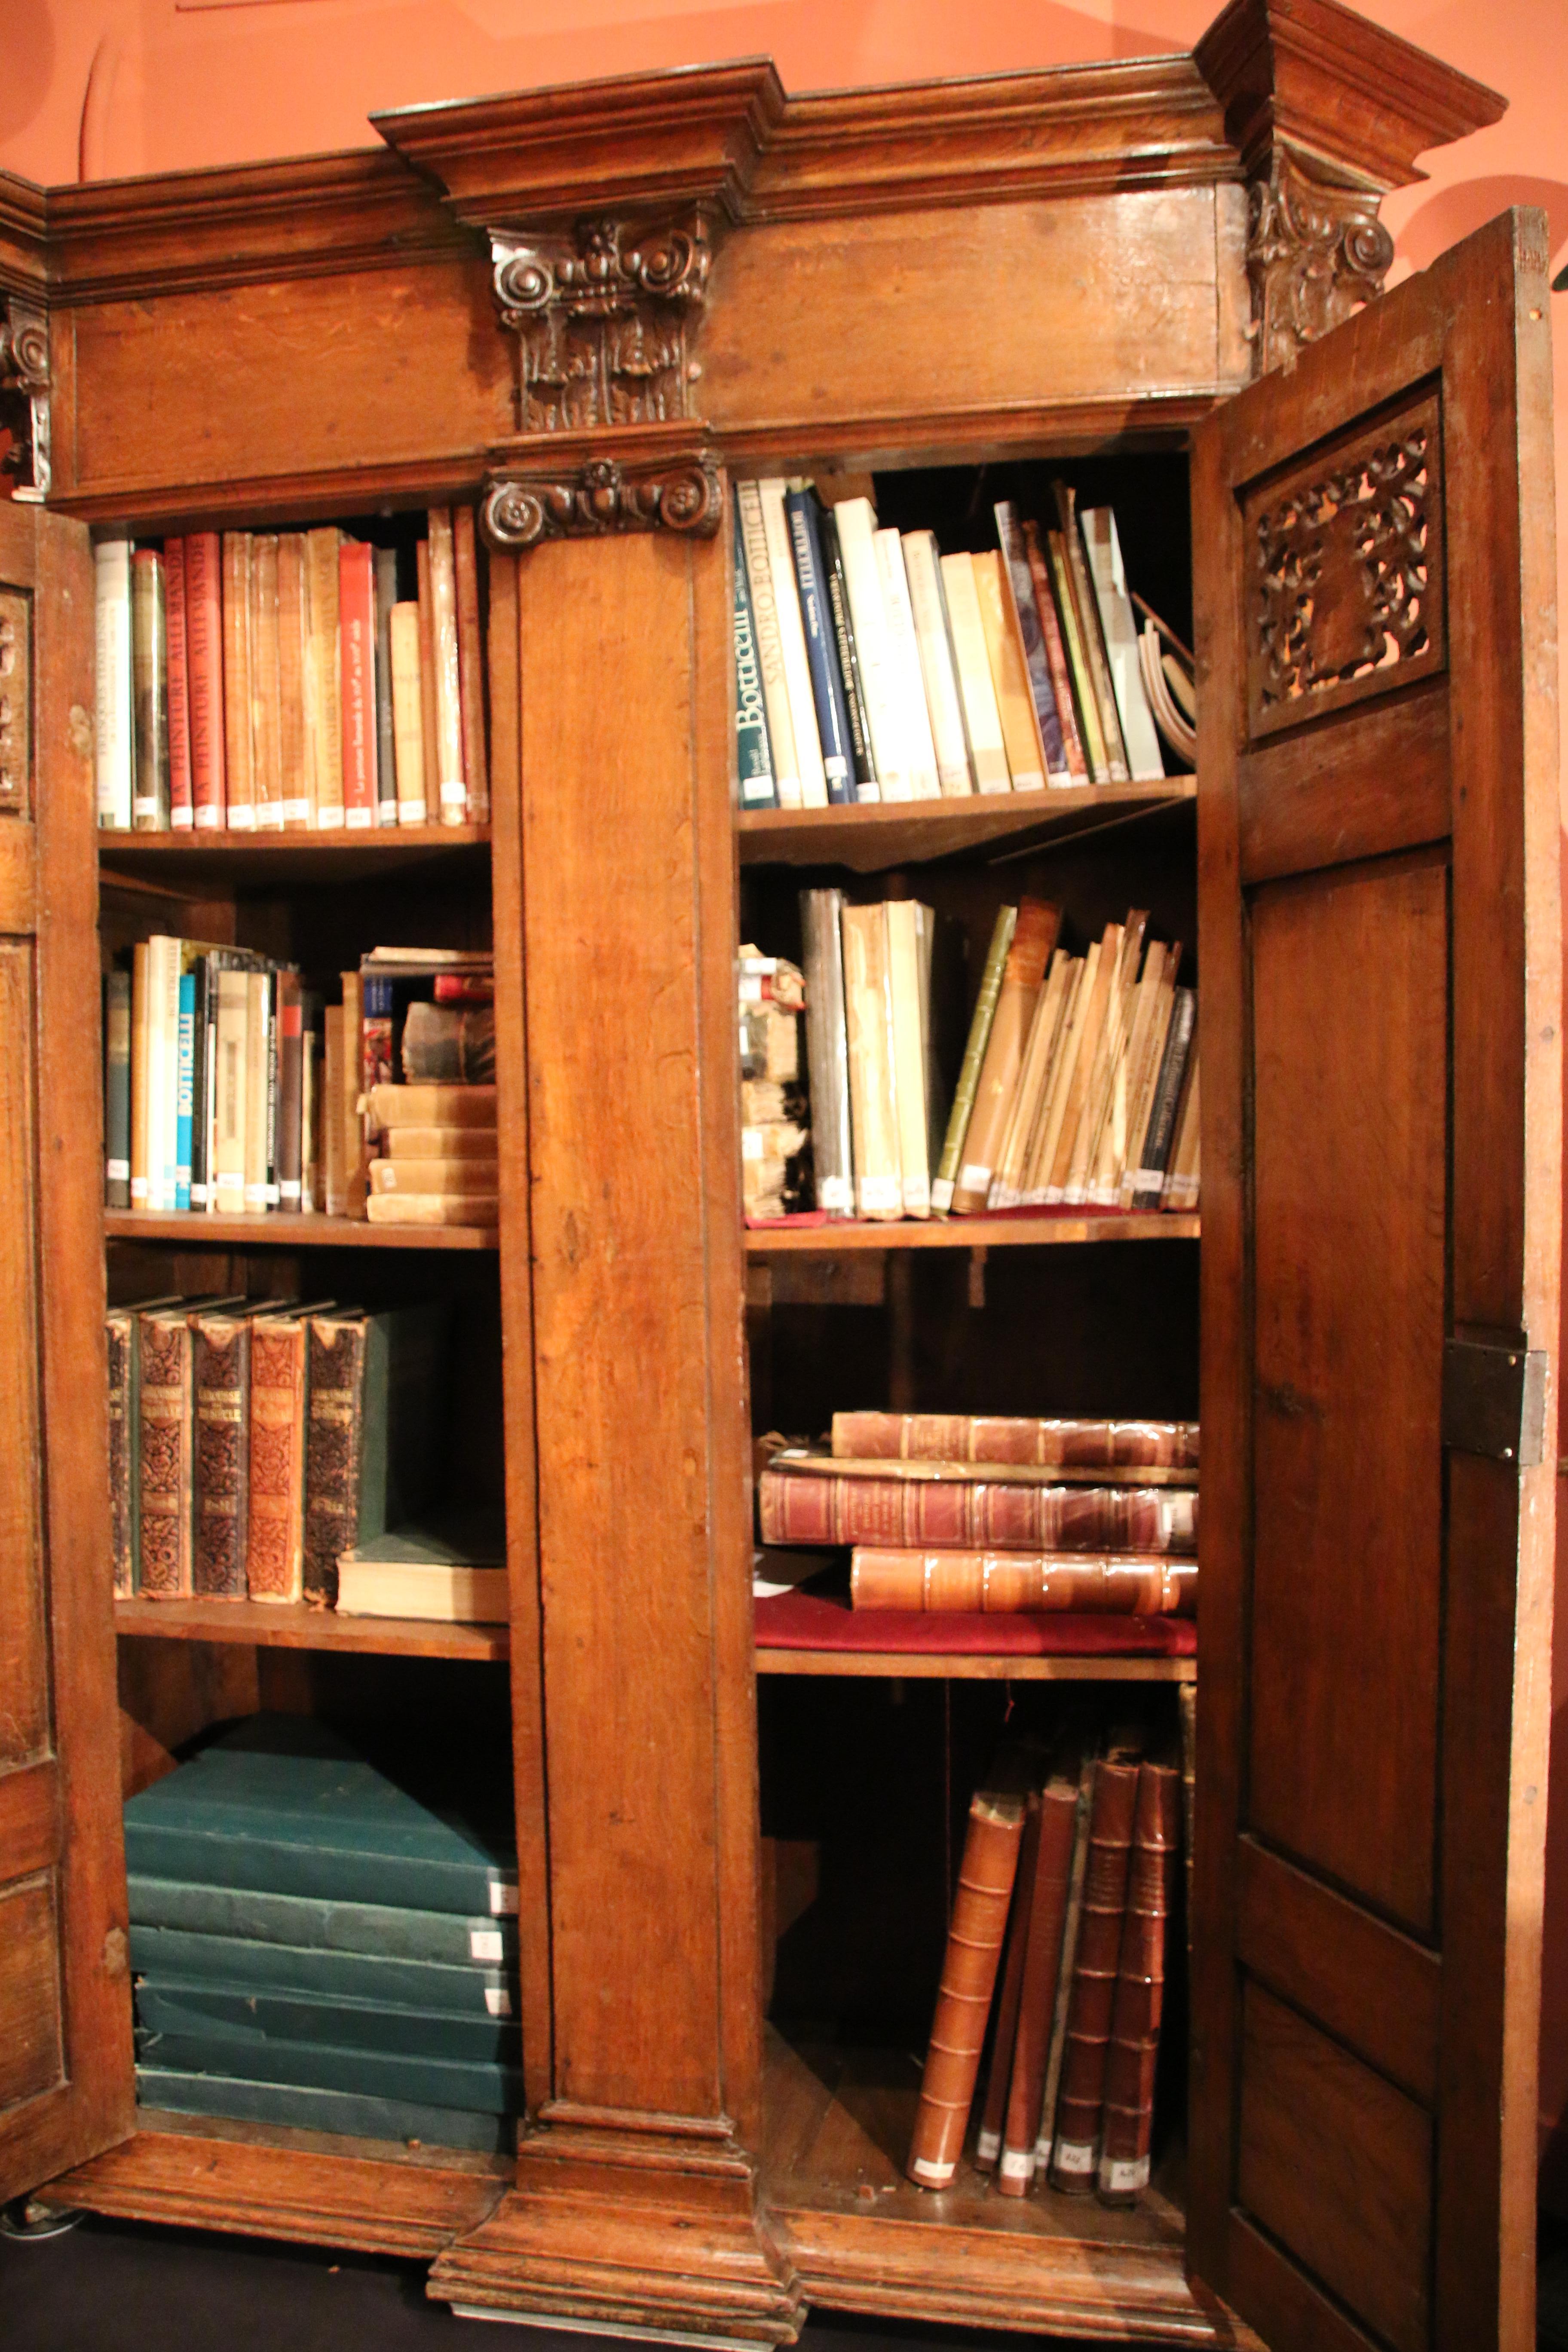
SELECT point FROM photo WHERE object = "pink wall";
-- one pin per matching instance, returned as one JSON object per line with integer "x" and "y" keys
{"x": 97, "y": 88}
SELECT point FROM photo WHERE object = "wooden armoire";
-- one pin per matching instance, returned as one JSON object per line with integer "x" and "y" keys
{"x": 591, "y": 311}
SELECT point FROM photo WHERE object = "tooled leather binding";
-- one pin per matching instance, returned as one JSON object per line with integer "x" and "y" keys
{"x": 977, "y": 1438}
{"x": 968, "y": 1979}
{"x": 807, "y": 1507}
{"x": 988, "y": 2140}
{"x": 1076, "y": 2145}
{"x": 275, "y": 1546}
{"x": 1127, "y": 2121}
{"x": 1036, "y": 2004}
{"x": 120, "y": 1331}
{"x": 336, "y": 1434}
{"x": 163, "y": 1343}
{"x": 1016, "y": 1584}
{"x": 220, "y": 1349}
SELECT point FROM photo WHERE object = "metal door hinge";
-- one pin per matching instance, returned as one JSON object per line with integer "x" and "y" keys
{"x": 1494, "y": 1401}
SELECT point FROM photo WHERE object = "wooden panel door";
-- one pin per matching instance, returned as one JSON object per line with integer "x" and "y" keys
{"x": 1381, "y": 996}
{"x": 66, "y": 2086}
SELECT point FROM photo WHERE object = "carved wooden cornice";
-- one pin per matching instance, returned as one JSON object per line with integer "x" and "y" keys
{"x": 1314, "y": 254}
{"x": 25, "y": 393}
{"x": 604, "y": 316}
{"x": 682, "y": 492}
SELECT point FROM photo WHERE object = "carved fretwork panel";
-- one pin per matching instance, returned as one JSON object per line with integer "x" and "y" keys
{"x": 1346, "y": 594}
{"x": 15, "y": 705}
{"x": 604, "y": 316}
{"x": 25, "y": 394}
{"x": 682, "y": 494}
{"x": 1314, "y": 254}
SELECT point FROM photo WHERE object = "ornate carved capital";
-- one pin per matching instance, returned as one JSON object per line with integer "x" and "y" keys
{"x": 25, "y": 393}
{"x": 604, "y": 315}
{"x": 684, "y": 494}
{"x": 1314, "y": 254}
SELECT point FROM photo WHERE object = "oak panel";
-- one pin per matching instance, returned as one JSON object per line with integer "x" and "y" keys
{"x": 24, "y": 1652}
{"x": 1372, "y": 782}
{"x": 1350, "y": 1044}
{"x": 1337, "y": 2164}
{"x": 31, "y": 2048}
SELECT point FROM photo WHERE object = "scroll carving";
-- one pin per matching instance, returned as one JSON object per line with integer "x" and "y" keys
{"x": 1347, "y": 572}
{"x": 685, "y": 495}
{"x": 605, "y": 316}
{"x": 15, "y": 706}
{"x": 1314, "y": 254}
{"x": 25, "y": 394}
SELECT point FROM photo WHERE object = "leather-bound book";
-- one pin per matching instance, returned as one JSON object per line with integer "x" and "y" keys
{"x": 1033, "y": 940}
{"x": 372, "y": 1431}
{"x": 149, "y": 684}
{"x": 290, "y": 1058}
{"x": 356, "y": 624}
{"x": 181, "y": 806}
{"x": 997, "y": 1437}
{"x": 1023, "y": 1583}
{"x": 451, "y": 780}
{"x": 124, "y": 1441}
{"x": 396, "y": 1208}
{"x": 275, "y": 1533}
{"x": 1046, "y": 1916}
{"x": 326, "y": 675}
{"x": 1056, "y": 654}
{"x": 239, "y": 766}
{"x": 429, "y": 723}
{"x": 435, "y": 1108}
{"x": 266, "y": 682}
{"x": 807, "y": 1507}
{"x": 1127, "y": 2122}
{"x": 220, "y": 1381}
{"x": 203, "y": 666}
{"x": 386, "y": 570}
{"x": 165, "y": 1375}
{"x": 294, "y": 630}
{"x": 449, "y": 1176}
{"x": 1076, "y": 2146}
{"x": 974, "y": 1937}
{"x": 1072, "y": 1924}
{"x": 993, "y": 2114}
{"x": 352, "y": 1121}
{"x": 471, "y": 664}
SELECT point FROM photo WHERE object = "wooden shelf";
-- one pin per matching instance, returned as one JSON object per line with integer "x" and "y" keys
{"x": 231, "y": 860}
{"x": 283, "y": 1229}
{"x": 842, "y": 1234}
{"x": 931, "y": 1665}
{"x": 911, "y": 832}
{"x": 286, "y": 1625}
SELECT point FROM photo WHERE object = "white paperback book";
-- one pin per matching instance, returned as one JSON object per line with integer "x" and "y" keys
{"x": 1103, "y": 549}
{"x": 906, "y": 658}
{"x": 857, "y": 522}
{"x": 791, "y": 638}
{"x": 113, "y": 755}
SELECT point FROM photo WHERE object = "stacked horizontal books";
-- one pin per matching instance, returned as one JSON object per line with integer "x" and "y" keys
{"x": 420, "y": 1142}
{"x": 869, "y": 667}
{"x": 774, "y": 1139}
{"x": 1079, "y": 1079}
{"x": 1072, "y": 1876}
{"x": 949, "y": 1512}
{"x": 312, "y": 1945}
{"x": 285, "y": 681}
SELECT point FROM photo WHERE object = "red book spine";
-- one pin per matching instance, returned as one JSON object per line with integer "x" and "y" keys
{"x": 1077, "y": 2144}
{"x": 988, "y": 1437}
{"x": 1021, "y": 1583}
{"x": 182, "y": 805}
{"x": 1037, "y": 1993}
{"x": 204, "y": 673}
{"x": 988, "y": 2140}
{"x": 1127, "y": 2123}
{"x": 356, "y": 623}
{"x": 974, "y": 1937}
{"x": 816, "y": 1508}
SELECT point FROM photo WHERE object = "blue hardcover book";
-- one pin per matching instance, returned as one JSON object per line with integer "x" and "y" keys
{"x": 305, "y": 1922}
{"x": 185, "y": 1087}
{"x": 181, "y": 2092}
{"x": 284, "y": 1804}
{"x": 822, "y": 653}
{"x": 1020, "y": 581}
{"x": 266, "y": 2016}
{"x": 258, "y": 2057}
{"x": 171, "y": 1956}
{"x": 754, "y": 748}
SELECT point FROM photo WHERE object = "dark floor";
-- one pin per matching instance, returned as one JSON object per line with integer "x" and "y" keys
{"x": 109, "y": 2287}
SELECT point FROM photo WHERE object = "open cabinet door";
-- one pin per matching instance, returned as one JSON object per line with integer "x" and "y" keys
{"x": 66, "y": 2086}
{"x": 1381, "y": 1001}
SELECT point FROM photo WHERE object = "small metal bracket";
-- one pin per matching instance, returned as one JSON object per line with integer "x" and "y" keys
{"x": 1494, "y": 1401}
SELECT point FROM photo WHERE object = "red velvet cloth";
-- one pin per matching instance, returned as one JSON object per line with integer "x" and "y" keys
{"x": 815, "y": 1620}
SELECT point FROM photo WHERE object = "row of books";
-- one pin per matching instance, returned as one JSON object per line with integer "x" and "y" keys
{"x": 257, "y": 680}
{"x": 869, "y": 666}
{"x": 230, "y": 1089}
{"x": 1070, "y": 1868}
{"x": 315, "y": 1942}
{"x": 774, "y": 1136}
{"x": 1079, "y": 1079}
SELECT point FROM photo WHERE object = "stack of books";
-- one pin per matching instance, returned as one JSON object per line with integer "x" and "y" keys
{"x": 312, "y": 1945}
{"x": 1071, "y": 1870}
{"x": 869, "y": 666}
{"x": 948, "y": 1511}
{"x": 259, "y": 681}
{"x": 253, "y": 1441}
{"x": 773, "y": 1140}
{"x": 1079, "y": 1079}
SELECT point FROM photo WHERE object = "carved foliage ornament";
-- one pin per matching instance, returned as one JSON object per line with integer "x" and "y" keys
{"x": 1314, "y": 254}
{"x": 604, "y": 317}
{"x": 25, "y": 394}
{"x": 684, "y": 495}
{"x": 15, "y": 704}
{"x": 1347, "y": 590}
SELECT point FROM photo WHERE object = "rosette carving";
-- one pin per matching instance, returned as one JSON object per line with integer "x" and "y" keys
{"x": 685, "y": 495}
{"x": 1314, "y": 254}
{"x": 604, "y": 316}
{"x": 25, "y": 394}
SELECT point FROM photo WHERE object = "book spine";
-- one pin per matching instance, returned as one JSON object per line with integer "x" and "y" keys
{"x": 162, "y": 1064}
{"x": 810, "y": 1507}
{"x": 356, "y": 624}
{"x": 1118, "y": 631}
{"x": 867, "y": 787}
{"x": 1076, "y": 1443}
{"x": 258, "y": 1054}
{"x": 451, "y": 783}
{"x": 117, "y": 1091}
{"x": 873, "y": 1106}
{"x": 946, "y": 1180}
{"x": 352, "y": 1123}
{"x": 293, "y": 624}
{"x": 1004, "y": 2039}
{"x": 139, "y": 994}
{"x": 220, "y": 1349}
{"x": 471, "y": 665}
{"x": 1071, "y": 1927}
{"x": 326, "y": 676}
{"x": 274, "y": 1556}
{"x": 855, "y": 520}
{"x": 181, "y": 806}
{"x": 290, "y": 1077}
{"x": 1021, "y": 1583}
{"x": 822, "y": 655}
{"x": 974, "y": 1939}
{"x": 120, "y": 1334}
{"x": 335, "y": 1442}
{"x": 1156, "y": 1144}
{"x": 946, "y": 712}
{"x": 1127, "y": 2123}
{"x": 809, "y": 750}
{"x": 407, "y": 713}
{"x": 164, "y": 1342}
{"x": 266, "y": 683}
{"x": 904, "y": 658}
{"x": 226, "y": 1184}
{"x": 1034, "y": 936}
{"x": 239, "y": 768}
{"x": 1026, "y": 615}
{"x": 1076, "y": 2139}
{"x": 201, "y": 1080}
{"x": 332, "y": 1143}
{"x": 1056, "y": 654}
{"x": 1093, "y": 639}
{"x": 430, "y": 724}
{"x": 1078, "y": 660}
{"x": 976, "y": 689}
{"x": 386, "y": 730}
{"x": 770, "y": 644}
{"x": 204, "y": 663}
{"x": 753, "y": 754}
{"x": 1009, "y": 676}
{"x": 114, "y": 737}
{"x": 1041, "y": 1972}
{"x": 184, "y": 1088}
{"x": 904, "y": 920}
{"x": 827, "y": 1051}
